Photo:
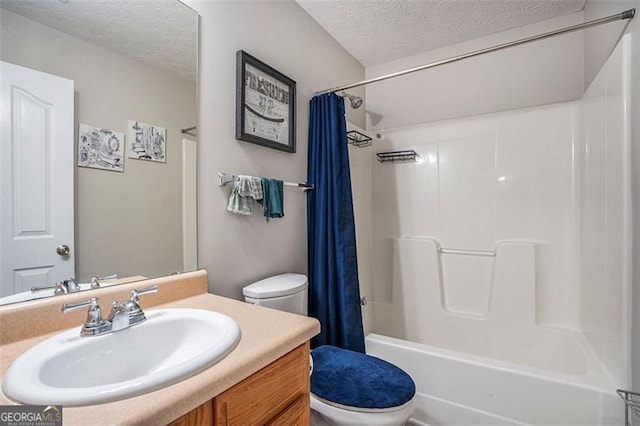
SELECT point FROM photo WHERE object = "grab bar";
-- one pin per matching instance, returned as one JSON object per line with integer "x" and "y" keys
{"x": 486, "y": 253}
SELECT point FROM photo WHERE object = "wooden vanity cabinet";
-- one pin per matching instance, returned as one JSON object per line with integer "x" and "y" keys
{"x": 202, "y": 415}
{"x": 276, "y": 395}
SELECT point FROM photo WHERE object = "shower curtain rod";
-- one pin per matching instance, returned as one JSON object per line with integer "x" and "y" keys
{"x": 627, "y": 14}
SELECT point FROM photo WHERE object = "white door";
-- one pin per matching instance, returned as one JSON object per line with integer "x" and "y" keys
{"x": 36, "y": 178}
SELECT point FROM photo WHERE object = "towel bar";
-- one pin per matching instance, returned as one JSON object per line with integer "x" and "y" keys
{"x": 224, "y": 179}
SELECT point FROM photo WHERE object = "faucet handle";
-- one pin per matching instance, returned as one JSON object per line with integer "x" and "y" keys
{"x": 37, "y": 288}
{"x": 95, "y": 281}
{"x": 70, "y": 307}
{"x": 133, "y": 309}
{"x": 94, "y": 324}
{"x": 148, "y": 290}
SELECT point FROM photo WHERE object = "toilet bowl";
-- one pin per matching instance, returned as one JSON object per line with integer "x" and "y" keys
{"x": 324, "y": 412}
{"x": 347, "y": 388}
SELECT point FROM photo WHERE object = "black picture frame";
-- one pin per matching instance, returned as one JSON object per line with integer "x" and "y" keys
{"x": 265, "y": 104}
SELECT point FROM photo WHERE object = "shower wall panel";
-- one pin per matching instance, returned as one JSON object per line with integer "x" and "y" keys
{"x": 506, "y": 177}
{"x": 360, "y": 164}
{"x": 605, "y": 288}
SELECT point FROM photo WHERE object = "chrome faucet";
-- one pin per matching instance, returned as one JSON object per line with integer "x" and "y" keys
{"x": 123, "y": 315}
{"x": 62, "y": 287}
{"x": 71, "y": 286}
{"x": 67, "y": 286}
{"x": 129, "y": 313}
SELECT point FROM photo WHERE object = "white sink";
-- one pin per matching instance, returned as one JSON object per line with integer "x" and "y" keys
{"x": 70, "y": 370}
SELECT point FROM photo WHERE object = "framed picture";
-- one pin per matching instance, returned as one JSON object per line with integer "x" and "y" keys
{"x": 100, "y": 148}
{"x": 265, "y": 104}
{"x": 147, "y": 142}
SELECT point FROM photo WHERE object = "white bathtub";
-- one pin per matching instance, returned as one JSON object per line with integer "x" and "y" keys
{"x": 455, "y": 388}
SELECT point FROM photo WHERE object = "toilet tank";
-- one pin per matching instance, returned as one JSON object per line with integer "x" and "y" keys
{"x": 286, "y": 292}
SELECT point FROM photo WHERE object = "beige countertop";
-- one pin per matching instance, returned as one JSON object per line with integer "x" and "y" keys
{"x": 267, "y": 335}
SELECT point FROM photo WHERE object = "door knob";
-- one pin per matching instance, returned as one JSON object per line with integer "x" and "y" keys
{"x": 63, "y": 250}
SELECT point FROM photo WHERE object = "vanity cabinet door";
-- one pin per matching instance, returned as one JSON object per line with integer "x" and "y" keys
{"x": 296, "y": 414}
{"x": 277, "y": 394}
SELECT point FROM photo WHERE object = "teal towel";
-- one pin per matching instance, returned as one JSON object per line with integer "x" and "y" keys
{"x": 273, "y": 198}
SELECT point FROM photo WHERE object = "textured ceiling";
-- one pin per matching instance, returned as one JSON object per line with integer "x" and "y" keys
{"x": 161, "y": 33}
{"x": 379, "y": 31}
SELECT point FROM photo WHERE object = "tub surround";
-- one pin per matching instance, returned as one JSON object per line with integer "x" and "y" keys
{"x": 267, "y": 335}
{"x": 543, "y": 316}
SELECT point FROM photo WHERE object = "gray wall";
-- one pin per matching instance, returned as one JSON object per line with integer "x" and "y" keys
{"x": 127, "y": 223}
{"x": 539, "y": 73}
{"x": 237, "y": 250}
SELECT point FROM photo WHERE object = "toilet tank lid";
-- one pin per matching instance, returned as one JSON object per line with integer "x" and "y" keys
{"x": 279, "y": 285}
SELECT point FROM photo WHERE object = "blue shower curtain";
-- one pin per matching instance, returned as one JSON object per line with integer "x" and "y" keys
{"x": 334, "y": 294}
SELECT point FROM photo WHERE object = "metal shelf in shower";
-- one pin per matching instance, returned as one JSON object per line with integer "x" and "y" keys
{"x": 358, "y": 139}
{"x": 395, "y": 156}
{"x": 632, "y": 401}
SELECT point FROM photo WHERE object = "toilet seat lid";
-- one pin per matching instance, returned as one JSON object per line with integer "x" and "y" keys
{"x": 277, "y": 286}
{"x": 353, "y": 379}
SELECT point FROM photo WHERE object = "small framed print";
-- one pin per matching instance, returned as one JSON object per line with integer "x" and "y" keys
{"x": 265, "y": 104}
{"x": 100, "y": 148}
{"x": 147, "y": 142}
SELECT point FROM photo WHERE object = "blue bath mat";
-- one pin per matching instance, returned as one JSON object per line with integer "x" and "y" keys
{"x": 358, "y": 380}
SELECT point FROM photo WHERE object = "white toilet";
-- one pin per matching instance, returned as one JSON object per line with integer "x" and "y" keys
{"x": 377, "y": 394}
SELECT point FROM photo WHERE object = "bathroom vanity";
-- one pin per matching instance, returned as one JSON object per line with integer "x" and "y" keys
{"x": 264, "y": 380}
{"x": 277, "y": 394}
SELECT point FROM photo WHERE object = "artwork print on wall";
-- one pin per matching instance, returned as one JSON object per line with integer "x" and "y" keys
{"x": 265, "y": 104}
{"x": 147, "y": 142}
{"x": 100, "y": 148}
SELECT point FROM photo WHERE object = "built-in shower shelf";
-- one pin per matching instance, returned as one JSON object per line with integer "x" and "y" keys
{"x": 358, "y": 139}
{"x": 632, "y": 399}
{"x": 395, "y": 156}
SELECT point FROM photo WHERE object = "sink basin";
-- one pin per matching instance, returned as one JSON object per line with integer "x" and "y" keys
{"x": 171, "y": 345}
